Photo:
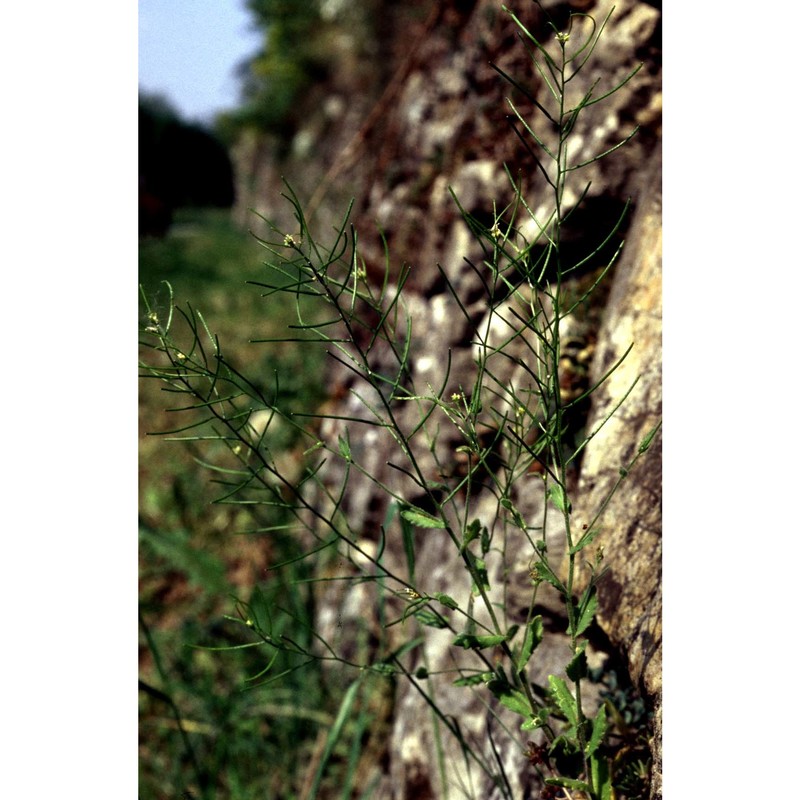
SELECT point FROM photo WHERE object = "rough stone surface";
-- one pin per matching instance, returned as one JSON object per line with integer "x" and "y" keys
{"x": 432, "y": 116}
{"x": 630, "y": 594}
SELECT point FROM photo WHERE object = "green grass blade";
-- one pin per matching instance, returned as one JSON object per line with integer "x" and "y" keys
{"x": 336, "y": 731}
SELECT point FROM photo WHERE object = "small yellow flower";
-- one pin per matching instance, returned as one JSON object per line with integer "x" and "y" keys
{"x": 563, "y": 37}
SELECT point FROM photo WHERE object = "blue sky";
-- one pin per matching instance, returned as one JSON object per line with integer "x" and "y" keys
{"x": 189, "y": 51}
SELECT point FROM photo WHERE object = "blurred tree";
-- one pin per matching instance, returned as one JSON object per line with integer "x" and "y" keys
{"x": 295, "y": 55}
{"x": 180, "y": 165}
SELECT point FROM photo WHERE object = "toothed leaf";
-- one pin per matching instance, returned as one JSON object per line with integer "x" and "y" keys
{"x": 564, "y": 699}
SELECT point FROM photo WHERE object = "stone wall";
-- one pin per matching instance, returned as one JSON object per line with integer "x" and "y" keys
{"x": 431, "y": 114}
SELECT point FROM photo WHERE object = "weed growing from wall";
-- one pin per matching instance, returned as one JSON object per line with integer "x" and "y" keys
{"x": 515, "y": 432}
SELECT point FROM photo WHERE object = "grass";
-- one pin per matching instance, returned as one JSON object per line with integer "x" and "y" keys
{"x": 199, "y": 732}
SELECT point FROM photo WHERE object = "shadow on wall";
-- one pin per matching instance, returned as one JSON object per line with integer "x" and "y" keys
{"x": 181, "y": 165}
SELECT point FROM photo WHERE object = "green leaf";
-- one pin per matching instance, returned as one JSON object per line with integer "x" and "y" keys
{"x": 473, "y": 680}
{"x": 545, "y": 573}
{"x": 471, "y": 642}
{"x": 344, "y": 448}
{"x": 587, "y": 538}
{"x": 601, "y": 778}
{"x": 201, "y": 567}
{"x": 512, "y": 699}
{"x": 336, "y": 731}
{"x": 446, "y": 600}
{"x": 472, "y": 532}
{"x": 419, "y": 518}
{"x": 599, "y": 727}
{"x": 430, "y": 619}
{"x": 577, "y": 667}
{"x": 534, "y": 634}
{"x": 586, "y": 610}
{"x": 564, "y": 699}
{"x": 407, "y": 531}
{"x": 478, "y": 566}
{"x": 569, "y": 783}
{"x": 486, "y": 540}
{"x": 559, "y": 497}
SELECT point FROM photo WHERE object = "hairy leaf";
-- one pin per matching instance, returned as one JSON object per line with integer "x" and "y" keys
{"x": 601, "y": 778}
{"x": 446, "y": 600}
{"x": 599, "y": 727}
{"x": 534, "y": 634}
{"x": 577, "y": 667}
{"x": 587, "y": 538}
{"x": 472, "y": 642}
{"x": 421, "y": 519}
{"x": 512, "y": 699}
{"x": 586, "y": 610}
{"x": 559, "y": 497}
{"x": 564, "y": 699}
{"x": 545, "y": 573}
